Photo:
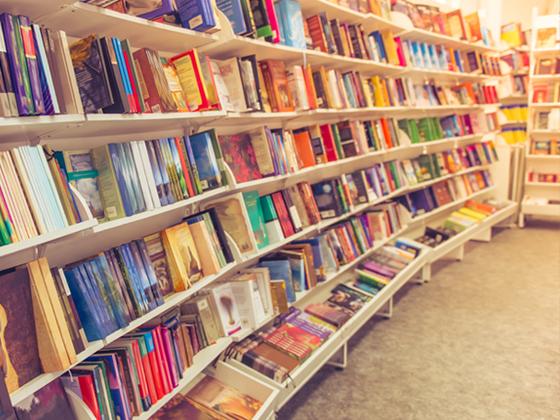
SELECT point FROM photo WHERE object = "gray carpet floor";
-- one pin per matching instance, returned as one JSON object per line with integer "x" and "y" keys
{"x": 480, "y": 341}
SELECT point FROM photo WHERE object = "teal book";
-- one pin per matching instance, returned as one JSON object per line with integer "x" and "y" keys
{"x": 256, "y": 218}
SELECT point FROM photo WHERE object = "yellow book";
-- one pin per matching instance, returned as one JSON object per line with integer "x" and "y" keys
{"x": 390, "y": 47}
{"x": 472, "y": 213}
{"x": 379, "y": 97}
{"x": 464, "y": 216}
{"x": 52, "y": 351}
{"x": 328, "y": 93}
{"x": 184, "y": 262}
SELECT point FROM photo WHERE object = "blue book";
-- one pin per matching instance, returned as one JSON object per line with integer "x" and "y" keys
{"x": 291, "y": 19}
{"x": 434, "y": 57}
{"x": 119, "y": 175}
{"x": 157, "y": 174}
{"x": 149, "y": 269}
{"x": 133, "y": 177}
{"x": 135, "y": 277}
{"x": 281, "y": 270}
{"x": 346, "y": 78}
{"x": 103, "y": 303}
{"x": 196, "y": 14}
{"x": 116, "y": 387}
{"x": 417, "y": 54}
{"x": 83, "y": 299}
{"x": 297, "y": 265}
{"x": 234, "y": 12}
{"x": 163, "y": 171}
{"x": 144, "y": 281}
{"x": 318, "y": 260}
{"x": 458, "y": 60}
{"x": 101, "y": 270}
{"x": 122, "y": 66}
{"x": 131, "y": 283}
{"x": 205, "y": 160}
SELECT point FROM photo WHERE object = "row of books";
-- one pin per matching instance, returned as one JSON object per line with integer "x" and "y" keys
{"x": 35, "y": 195}
{"x": 277, "y": 351}
{"x": 426, "y": 55}
{"x": 34, "y": 69}
{"x": 547, "y": 120}
{"x": 472, "y": 213}
{"x": 547, "y": 66}
{"x": 545, "y": 147}
{"x": 432, "y": 166}
{"x": 303, "y": 264}
{"x": 426, "y": 129}
{"x": 513, "y": 135}
{"x": 431, "y": 18}
{"x": 515, "y": 113}
{"x": 548, "y": 177}
{"x": 546, "y": 92}
{"x": 444, "y": 192}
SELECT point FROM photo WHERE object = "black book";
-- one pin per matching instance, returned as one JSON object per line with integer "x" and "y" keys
{"x": 326, "y": 195}
{"x": 91, "y": 74}
{"x": 120, "y": 101}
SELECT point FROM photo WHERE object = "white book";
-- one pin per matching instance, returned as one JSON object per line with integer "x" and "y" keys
{"x": 15, "y": 201}
{"x": 333, "y": 87}
{"x": 221, "y": 87}
{"x": 226, "y": 305}
{"x": 21, "y": 162}
{"x": 149, "y": 173}
{"x": 58, "y": 209}
{"x": 274, "y": 231}
{"x": 45, "y": 65}
{"x": 249, "y": 304}
{"x": 262, "y": 275}
{"x": 142, "y": 177}
{"x": 232, "y": 79}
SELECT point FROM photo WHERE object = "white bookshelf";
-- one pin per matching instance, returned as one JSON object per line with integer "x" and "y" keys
{"x": 540, "y": 198}
{"x": 85, "y": 131}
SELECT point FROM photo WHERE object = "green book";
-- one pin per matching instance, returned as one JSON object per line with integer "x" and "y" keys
{"x": 427, "y": 171}
{"x": 395, "y": 174}
{"x": 337, "y": 141}
{"x": 435, "y": 165}
{"x": 108, "y": 186}
{"x": 23, "y": 65}
{"x": 425, "y": 129}
{"x": 414, "y": 132}
{"x": 268, "y": 209}
{"x": 256, "y": 218}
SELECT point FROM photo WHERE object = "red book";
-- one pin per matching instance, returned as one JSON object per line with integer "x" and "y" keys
{"x": 400, "y": 52}
{"x": 283, "y": 215}
{"x": 184, "y": 159}
{"x": 162, "y": 360}
{"x": 146, "y": 367}
{"x": 88, "y": 394}
{"x": 142, "y": 382}
{"x": 183, "y": 63}
{"x": 328, "y": 143}
{"x": 389, "y": 176}
{"x": 316, "y": 33}
{"x": 151, "y": 365}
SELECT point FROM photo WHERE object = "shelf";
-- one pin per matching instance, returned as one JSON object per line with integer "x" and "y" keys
{"x": 543, "y": 157}
{"x": 546, "y": 51}
{"x": 417, "y": 34}
{"x": 430, "y": 182}
{"x": 444, "y": 75}
{"x": 201, "y": 360}
{"x": 540, "y": 209}
{"x": 27, "y": 130}
{"x": 544, "y": 77}
{"x": 515, "y": 99}
{"x": 544, "y": 105}
{"x": 543, "y": 184}
{"x": 546, "y": 132}
{"x": 22, "y": 252}
{"x": 80, "y": 20}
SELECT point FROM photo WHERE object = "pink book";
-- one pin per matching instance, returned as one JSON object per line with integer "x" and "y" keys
{"x": 168, "y": 348}
{"x": 162, "y": 360}
{"x": 273, "y": 21}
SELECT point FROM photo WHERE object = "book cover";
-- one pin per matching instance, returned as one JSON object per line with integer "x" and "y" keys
{"x": 238, "y": 153}
{"x": 330, "y": 313}
{"x": 231, "y": 213}
{"x": 50, "y": 402}
{"x": 256, "y": 218}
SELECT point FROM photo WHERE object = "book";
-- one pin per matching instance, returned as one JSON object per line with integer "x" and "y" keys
{"x": 240, "y": 157}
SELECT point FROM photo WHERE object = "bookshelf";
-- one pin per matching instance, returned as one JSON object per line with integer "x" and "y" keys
{"x": 92, "y": 130}
{"x": 541, "y": 198}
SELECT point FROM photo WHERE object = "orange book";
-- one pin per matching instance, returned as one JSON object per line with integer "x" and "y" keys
{"x": 310, "y": 87}
{"x": 386, "y": 133}
{"x": 275, "y": 71}
{"x": 304, "y": 147}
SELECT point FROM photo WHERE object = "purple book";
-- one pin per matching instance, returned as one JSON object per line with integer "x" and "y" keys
{"x": 30, "y": 52}
{"x": 17, "y": 76}
{"x": 304, "y": 322}
{"x": 166, "y": 8}
{"x": 376, "y": 268}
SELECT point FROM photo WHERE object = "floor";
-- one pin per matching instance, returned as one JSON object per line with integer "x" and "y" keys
{"x": 480, "y": 341}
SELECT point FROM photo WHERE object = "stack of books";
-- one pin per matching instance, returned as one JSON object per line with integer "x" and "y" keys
{"x": 383, "y": 266}
{"x": 545, "y": 147}
{"x": 548, "y": 177}
{"x": 546, "y": 92}
{"x": 547, "y": 120}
